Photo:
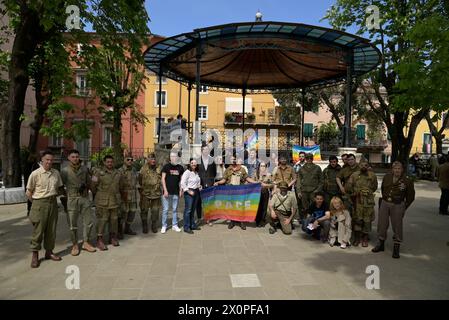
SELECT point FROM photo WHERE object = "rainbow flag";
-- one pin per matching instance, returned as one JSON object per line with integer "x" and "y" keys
{"x": 315, "y": 150}
{"x": 238, "y": 203}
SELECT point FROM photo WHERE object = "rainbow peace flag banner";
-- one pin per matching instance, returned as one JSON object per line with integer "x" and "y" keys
{"x": 315, "y": 150}
{"x": 237, "y": 203}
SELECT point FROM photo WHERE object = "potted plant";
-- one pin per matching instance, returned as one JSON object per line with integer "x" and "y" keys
{"x": 229, "y": 117}
{"x": 250, "y": 117}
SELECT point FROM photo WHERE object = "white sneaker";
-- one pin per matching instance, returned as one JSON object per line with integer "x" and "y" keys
{"x": 176, "y": 228}
{"x": 343, "y": 245}
{"x": 163, "y": 229}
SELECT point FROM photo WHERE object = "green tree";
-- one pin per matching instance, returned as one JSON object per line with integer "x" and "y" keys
{"x": 34, "y": 24}
{"x": 397, "y": 20}
{"x": 424, "y": 71}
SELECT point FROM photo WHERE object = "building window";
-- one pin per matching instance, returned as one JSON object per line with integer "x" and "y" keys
{"x": 202, "y": 113}
{"x": 290, "y": 137}
{"x": 360, "y": 132}
{"x": 204, "y": 90}
{"x": 156, "y": 125}
{"x": 81, "y": 85}
{"x": 164, "y": 80}
{"x": 157, "y": 97}
{"x": 427, "y": 143}
{"x": 83, "y": 146}
{"x": 107, "y": 137}
{"x": 55, "y": 141}
{"x": 308, "y": 130}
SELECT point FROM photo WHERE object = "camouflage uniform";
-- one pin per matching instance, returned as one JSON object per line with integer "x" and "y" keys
{"x": 330, "y": 186}
{"x": 344, "y": 175}
{"x": 77, "y": 181}
{"x": 150, "y": 198}
{"x": 109, "y": 186}
{"x": 128, "y": 207}
{"x": 310, "y": 181}
{"x": 362, "y": 186}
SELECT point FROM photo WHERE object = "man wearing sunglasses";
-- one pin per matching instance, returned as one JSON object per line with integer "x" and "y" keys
{"x": 129, "y": 207}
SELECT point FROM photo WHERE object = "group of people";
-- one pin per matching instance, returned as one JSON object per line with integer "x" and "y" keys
{"x": 334, "y": 205}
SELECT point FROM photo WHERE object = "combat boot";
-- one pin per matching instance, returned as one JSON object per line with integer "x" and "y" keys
{"x": 128, "y": 229}
{"x": 35, "y": 259}
{"x": 356, "y": 239}
{"x": 365, "y": 240}
{"x": 100, "y": 244}
{"x": 144, "y": 226}
{"x": 114, "y": 240}
{"x": 396, "y": 251}
{"x": 120, "y": 229}
{"x": 379, "y": 247}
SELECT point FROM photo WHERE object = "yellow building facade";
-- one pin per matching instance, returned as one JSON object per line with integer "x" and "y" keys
{"x": 424, "y": 143}
{"x": 218, "y": 109}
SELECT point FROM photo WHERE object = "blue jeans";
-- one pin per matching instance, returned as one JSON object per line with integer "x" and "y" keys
{"x": 192, "y": 203}
{"x": 165, "y": 204}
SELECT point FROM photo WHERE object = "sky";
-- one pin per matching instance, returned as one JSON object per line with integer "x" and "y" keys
{"x": 172, "y": 17}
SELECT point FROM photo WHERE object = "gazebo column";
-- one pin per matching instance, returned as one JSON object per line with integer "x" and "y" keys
{"x": 198, "y": 80}
{"x": 348, "y": 106}
{"x": 189, "y": 89}
{"x": 160, "y": 105}
{"x": 303, "y": 104}
{"x": 243, "y": 117}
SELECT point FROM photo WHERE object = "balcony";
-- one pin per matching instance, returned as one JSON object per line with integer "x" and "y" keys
{"x": 264, "y": 119}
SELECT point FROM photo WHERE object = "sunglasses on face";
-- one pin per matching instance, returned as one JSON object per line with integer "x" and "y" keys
{"x": 130, "y": 159}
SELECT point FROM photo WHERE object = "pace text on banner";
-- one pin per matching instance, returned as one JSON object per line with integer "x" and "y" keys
{"x": 237, "y": 203}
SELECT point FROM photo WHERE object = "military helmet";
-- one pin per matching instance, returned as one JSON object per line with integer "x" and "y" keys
{"x": 283, "y": 185}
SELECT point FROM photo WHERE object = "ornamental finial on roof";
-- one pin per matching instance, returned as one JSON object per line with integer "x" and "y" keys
{"x": 258, "y": 16}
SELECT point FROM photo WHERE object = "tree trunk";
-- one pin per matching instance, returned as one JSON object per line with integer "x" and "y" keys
{"x": 117, "y": 137}
{"x": 401, "y": 145}
{"x": 437, "y": 134}
{"x": 25, "y": 42}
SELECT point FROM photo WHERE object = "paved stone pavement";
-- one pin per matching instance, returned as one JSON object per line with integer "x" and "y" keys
{"x": 217, "y": 263}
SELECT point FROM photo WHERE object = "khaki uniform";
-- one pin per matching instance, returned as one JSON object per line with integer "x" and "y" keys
{"x": 108, "y": 188}
{"x": 150, "y": 183}
{"x": 344, "y": 175}
{"x": 287, "y": 175}
{"x": 330, "y": 186}
{"x": 362, "y": 186}
{"x": 78, "y": 203}
{"x": 283, "y": 207}
{"x": 131, "y": 185}
{"x": 44, "y": 187}
{"x": 397, "y": 196}
{"x": 235, "y": 177}
{"x": 310, "y": 181}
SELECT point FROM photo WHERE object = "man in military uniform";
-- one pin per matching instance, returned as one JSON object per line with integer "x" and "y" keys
{"x": 282, "y": 209}
{"x": 77, "y": 181}
{"x": 284, "y": 172}
{"x": 343, "y": 177}
{"x": 330, "y": 186}
{"x": 108, "y": 184}
{"x": 150, "y": 178}
{"x": 361, "y": 186}
{"x": 128, "y": 207}
{"x": 310, "y": 180}
{"x": 398, "y": 193}
{"x": 235, "y": 175}
{"x": 44, "y": 184}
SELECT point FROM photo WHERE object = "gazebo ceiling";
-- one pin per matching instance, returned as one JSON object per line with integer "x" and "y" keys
{"x": 263, "y": 56}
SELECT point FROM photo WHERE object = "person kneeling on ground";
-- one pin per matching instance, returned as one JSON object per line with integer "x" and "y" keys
{"x": 340, "y": 223}
{"x": 317, "y": 219}
{"x": 282, "y": 208}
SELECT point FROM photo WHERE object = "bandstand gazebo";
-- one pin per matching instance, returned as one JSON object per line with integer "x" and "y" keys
{"x": 263, "y": 57}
